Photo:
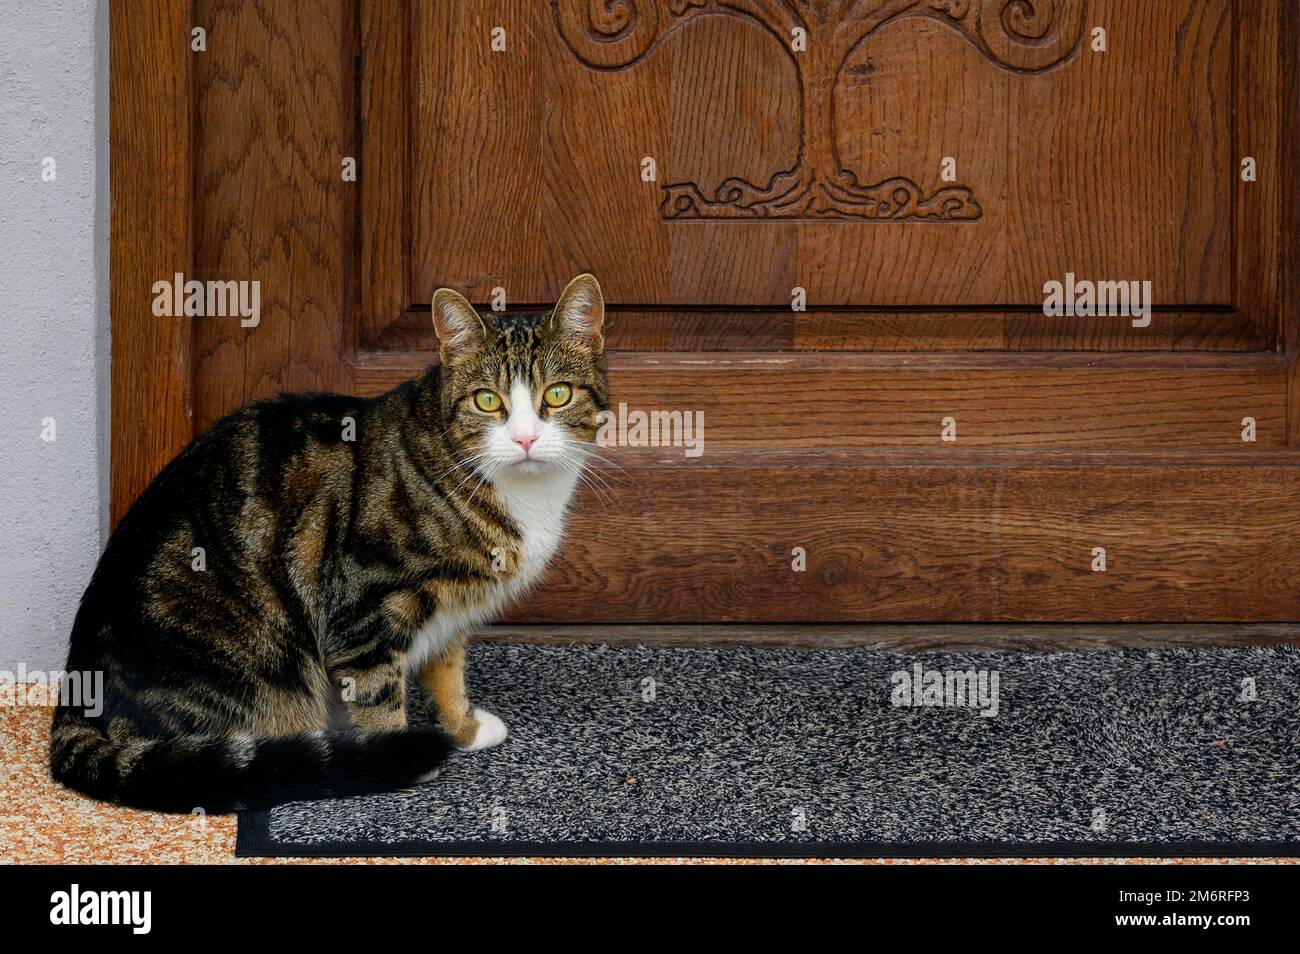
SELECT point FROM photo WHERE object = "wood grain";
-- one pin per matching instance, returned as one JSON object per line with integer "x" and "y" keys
{"x": 908, "y": 539}
{"x": 1139, "y": 140}
{"x": 1262, "y": 77}
{"x": 149, "y": 105}
{"x": 384, "y": 266}
{"x": 752, "y": 399}
{"x": 1289, "y": 216}
{"x": 270, "y": 198}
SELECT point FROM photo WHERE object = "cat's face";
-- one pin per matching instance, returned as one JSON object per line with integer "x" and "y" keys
{"x": 522, "y": 393}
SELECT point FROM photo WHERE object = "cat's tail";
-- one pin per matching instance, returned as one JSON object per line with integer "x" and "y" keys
{"x": 217, "y": 774}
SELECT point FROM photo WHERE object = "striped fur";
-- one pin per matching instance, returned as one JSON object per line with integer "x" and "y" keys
{"x": 278, "y": 669}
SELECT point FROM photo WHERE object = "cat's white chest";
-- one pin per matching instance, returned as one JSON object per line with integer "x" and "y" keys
{"x": 538, "y": 506}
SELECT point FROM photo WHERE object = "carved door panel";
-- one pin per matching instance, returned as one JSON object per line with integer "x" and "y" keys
{"x": 829, "y": 229}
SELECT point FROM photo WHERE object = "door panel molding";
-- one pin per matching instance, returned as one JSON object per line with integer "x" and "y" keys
{"x": 1024, "y": 333}
{"x": 821, "y": 402}
{"x": 1243, "y": 221}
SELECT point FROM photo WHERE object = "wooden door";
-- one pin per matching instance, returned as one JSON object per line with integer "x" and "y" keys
{"x": 829, "y": 228}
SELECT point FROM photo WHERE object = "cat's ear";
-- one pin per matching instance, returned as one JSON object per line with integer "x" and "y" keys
{"x": 580, "y": 312}
{"x": 456, "y": 323}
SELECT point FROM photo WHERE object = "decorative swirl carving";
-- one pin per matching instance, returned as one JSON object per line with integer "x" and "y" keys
{"x": 798, "y": 195}
{"x": 1028, "y": 34}
{"x": 1025, "y": 35}
{"x": 613, "y": 34}
{"x": 1021, "y": 35}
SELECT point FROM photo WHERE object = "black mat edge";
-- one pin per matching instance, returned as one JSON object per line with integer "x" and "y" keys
{"x": 254, "y": 841}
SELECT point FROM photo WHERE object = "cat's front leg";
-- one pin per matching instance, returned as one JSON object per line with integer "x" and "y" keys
{"x": 374, "y": 693}
{"x": 443, "y": 679}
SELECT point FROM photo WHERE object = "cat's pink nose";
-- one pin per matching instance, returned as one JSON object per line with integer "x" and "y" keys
{"x": 525, "y": 441}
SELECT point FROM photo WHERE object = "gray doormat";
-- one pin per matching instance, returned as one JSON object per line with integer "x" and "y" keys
{"x": 785, "y": 753}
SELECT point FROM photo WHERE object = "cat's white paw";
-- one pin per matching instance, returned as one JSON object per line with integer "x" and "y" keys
{"x": 491, "y": 731}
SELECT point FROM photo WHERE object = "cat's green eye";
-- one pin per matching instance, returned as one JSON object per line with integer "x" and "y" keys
{"x": 557, "y": 395}
{"x": 488, "y": 401}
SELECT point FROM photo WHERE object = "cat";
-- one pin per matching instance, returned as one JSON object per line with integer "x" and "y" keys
{"x": 259, "y": 608}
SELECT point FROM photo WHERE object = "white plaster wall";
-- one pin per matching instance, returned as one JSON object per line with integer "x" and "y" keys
{"x": 54, "y": 360}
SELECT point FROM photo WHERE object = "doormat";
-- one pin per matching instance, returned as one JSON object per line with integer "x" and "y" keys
{"x": 636, "y": 751}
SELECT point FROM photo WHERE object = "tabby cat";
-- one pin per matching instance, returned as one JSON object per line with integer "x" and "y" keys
{"x": 256, "y": 613}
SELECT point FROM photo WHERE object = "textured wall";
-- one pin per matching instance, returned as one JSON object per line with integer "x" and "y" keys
{"x": 54, "y": 316}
